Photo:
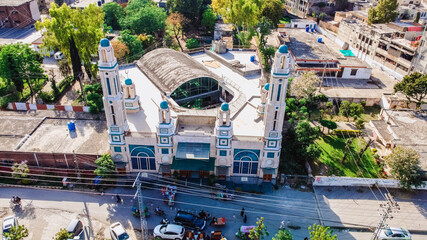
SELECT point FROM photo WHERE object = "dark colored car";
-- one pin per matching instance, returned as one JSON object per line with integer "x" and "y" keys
{"x": 190, "y": 220}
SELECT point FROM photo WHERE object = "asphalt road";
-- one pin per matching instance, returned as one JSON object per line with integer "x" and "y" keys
{"x": 46, "y": 211}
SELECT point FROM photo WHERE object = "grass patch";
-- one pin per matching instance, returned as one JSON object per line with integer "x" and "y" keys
{"x": 285, "y": 20}
{"x": 333, "y": 149}
{"x": 371, "y": 113}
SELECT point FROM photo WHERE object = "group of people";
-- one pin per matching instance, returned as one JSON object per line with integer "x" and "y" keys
{"x": 16, "y": 200}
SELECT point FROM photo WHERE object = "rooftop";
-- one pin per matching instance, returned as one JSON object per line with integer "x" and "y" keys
{"x": 13, "y": 3}
{"x": 227, "y": 27}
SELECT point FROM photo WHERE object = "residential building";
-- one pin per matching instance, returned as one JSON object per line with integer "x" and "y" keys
{"x": 171, "y": 117}
{"x": 390, "y": 46}
{"x": 18, "y": 13}
{"x": 300, "y": 8}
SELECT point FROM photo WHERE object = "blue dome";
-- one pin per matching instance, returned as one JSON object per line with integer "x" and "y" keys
{"x": 267, "y": 86}
{"x": 164, "y": 105}
{"x": 225, "y": 107}
{"x": 105, "y": 42}
{"x": 128, "y": 81}
{"x": 283, "y": 49}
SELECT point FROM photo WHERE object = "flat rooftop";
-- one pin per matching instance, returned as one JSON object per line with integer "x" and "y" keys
{"x": 305, "y": 46}
{"x": 243, "y": 114}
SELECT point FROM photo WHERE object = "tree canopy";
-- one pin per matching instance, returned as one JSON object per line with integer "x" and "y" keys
{"x": 244, "y": 13}
{"x": 272, "y": 9}
{"x": 105, "y": 166}
{"x": 133, "y": 43}
{"x": 404, "y": 163}
{"x": 191, "y": 9}
{"x": 19, "y": 63}
{"x": 414, "y": 86}
{"x": 114, "y": 13}
{"x": 63, "y": 234}
{"x": 143, "y": 16}
{"x": 208, "y": 19}
{"x": 283, "y": 234}
{"x": 305, "y": 85}
{"x": 120, "y": 49}
{"x": 384, "y": 12}
{"x": 16, "y": 233}
{"x": 175, "y": 22}
{"x": 259, "y": 231}
{"x": 319, "y": 232}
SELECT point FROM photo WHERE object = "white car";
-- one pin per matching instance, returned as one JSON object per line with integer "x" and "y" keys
{"x": 118, "y": 232}
{"x": 58, "y": 55}
{"x": 8, "y": 223}
{"x": 394, "y": 234}
{"x": 169, "y": 231}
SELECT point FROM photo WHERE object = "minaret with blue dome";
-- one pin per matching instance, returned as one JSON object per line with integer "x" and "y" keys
{"x": 274, "y": 112}
{"x": 113, "y": 102}
{"x": 224, "y": 135}
{"x": 130, "y": 97}
{"x": 165, "y": 132}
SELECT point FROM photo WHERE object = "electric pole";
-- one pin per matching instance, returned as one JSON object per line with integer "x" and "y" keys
{"x": 387, "y": 209}
{"x": 76, "y": 164}
{"x": 144, "y": 229}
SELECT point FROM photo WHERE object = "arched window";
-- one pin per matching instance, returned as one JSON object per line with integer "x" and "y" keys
{"x": 283, "y": 62}
{"x": 246, "y": 161}
{"x": 142, "y": 157}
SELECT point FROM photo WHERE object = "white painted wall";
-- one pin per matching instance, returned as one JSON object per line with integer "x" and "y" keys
{"x": 34, "y": 8}
{"x": 303, "y": 24}
{"x": 362, "y": 73}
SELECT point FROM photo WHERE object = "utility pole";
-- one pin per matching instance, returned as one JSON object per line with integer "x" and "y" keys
{"x": 387, "y": 209}
{"x": 323, "y": 76}
{"x": 76, "y": 164}
{"x": 144, "y": 229}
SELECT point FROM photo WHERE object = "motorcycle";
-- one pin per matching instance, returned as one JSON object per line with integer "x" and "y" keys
{"x": 164, "y": 221}
{"x": 159, "y": 212}
{"x": 15, "y": 202}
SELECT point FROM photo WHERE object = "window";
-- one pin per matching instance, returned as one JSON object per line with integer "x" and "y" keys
{"x": 270, "y": 155}
{"x": 117, "y": 149}
{"x": 18, "y": 22}
{"x": 113, "y": 115}
{"x": 14, "y": 12}
{"x": 108, "y": 85}
{"x": 245, "y": 161}
{"x": 165, "y": 151}
{"x": 142, "y": 157}
{"x": 353, "y": 72}
{"x": 275, "y": 115}
{"x": 274, "y": 126}
{"x": 223, "y": 153}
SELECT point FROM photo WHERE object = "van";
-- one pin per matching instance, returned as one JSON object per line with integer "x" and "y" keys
{"x": 75, "y": 227}
{"x": 58, "y": 55}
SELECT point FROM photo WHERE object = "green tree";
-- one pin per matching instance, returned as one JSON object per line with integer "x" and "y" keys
{"x": 94, "y": 97}
{"x": 133, "y": 43}
{"x": 191, "y": 9}
{"x": 414, "y": 86}
{"x": 405, "y": 166}
{"x": 360, "y": 124}
{"x": 283, "y": 234}
{"x": 59, "y": 2}
{"x": 356, "y": 109}
{"x": 144, "y": 17}
{"x": 16, "y": 233}
{"x": 76, "y": 33}
{"x": 305, "y": 85}
{"x": 259, "y": 231}
{"x": 63, "y": 234}
{"x": 105, "y": 166}
{"x": 19, "y": 63}
{"x": 330, "y": 125}
{"x": 306, "y": 134}
{"x": 272, "y": 9}
{"x": 345, "y": 109}
{"x": 20, "y": 170}
{"x": 319, "y": 232}
{"x": 208, "y": 19}
{"x": 175, "y": 22}
{"x": 64, "y": 67}
{"x": 192, "y": 43}
{"x": 114, "y": 13}
{"x": 384, "y": 12}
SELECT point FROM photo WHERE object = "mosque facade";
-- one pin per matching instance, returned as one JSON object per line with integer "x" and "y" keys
{"x": 150, "y": 132}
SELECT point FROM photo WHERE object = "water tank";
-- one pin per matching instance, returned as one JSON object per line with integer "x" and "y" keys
{"x": 71, "y": 126}
{"x": 312, "y": 30}
{"x": 307, "y": 29}
{"x": 253, "y": 58}
{"x": 319, "y": 39}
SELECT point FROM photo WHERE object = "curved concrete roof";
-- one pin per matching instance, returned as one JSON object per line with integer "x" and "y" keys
{"x": 168, "y": 69}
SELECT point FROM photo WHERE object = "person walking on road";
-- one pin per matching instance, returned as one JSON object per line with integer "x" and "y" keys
{"x": 242, "y": 212}
{"x": 245, "y": 219}
{"x": 119, "y": 199}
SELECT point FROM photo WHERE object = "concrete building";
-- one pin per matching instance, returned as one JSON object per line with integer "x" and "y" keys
{"x": 402, "y": 128}
{"x": 175, "y": 115}
{"x": 390, "y": 46}
{"x": 303, "y": 23}
{"x": 311, "y": 51}
{"x": 18, "y": 13}
{"x": 301, "y": 8}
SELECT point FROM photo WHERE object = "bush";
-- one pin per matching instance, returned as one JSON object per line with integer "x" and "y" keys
{"x": 345, "y": 132}
{"x": 46, "y": 97}
{"x": 192, "y": 43}
{"x": 5, "y": 100}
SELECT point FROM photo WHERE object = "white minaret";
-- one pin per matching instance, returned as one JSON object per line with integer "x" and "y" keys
{"x": 113, "y": 100}
{"x": 224, "y": 135}
{"x": 274, "y": 113}
{"x": 165, "y": 132}
{"x": 130, "y": 97}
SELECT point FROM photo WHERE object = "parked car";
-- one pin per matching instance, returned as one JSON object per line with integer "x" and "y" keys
{"x": 190, "y": 220}
{"x": 75, "y": 227}
{"x": 118, "y": 232}
{"x": 393, "y": 234}
{"x": 8, "y": 223}
{"x": 169, "y": 231}
{"x": 58, "y": 55}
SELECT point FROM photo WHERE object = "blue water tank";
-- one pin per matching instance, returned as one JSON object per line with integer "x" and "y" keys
{"x": 312, "y": 30}
{"x": 253, "y": 58}
{"x": 319, "y": 39}
{"x": 71, "y": 126}
{"x": 307, "y": 29}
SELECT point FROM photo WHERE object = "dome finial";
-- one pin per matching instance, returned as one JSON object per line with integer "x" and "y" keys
{"x": 104, "y": 42}
{"x": 164, "y": 105}
{"x": 225, "y": 107}
{"x": 283, "y": 49}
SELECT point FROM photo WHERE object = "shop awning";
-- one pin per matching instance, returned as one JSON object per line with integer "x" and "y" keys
{"x": 193, "y": 164}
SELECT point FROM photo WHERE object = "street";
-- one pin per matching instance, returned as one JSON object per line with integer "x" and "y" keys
{"x": 45, "y": 211}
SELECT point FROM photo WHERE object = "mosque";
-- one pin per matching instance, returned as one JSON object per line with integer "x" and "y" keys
{"x": 171, "y": 115}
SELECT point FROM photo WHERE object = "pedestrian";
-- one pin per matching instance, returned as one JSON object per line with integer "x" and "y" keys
{"x": 245, "y": 219}
{"x": 306, "y": 238}
{"x": 212, "y": 221}
{"x": 119, "y": 199}
{"x": 242, "y": 212}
